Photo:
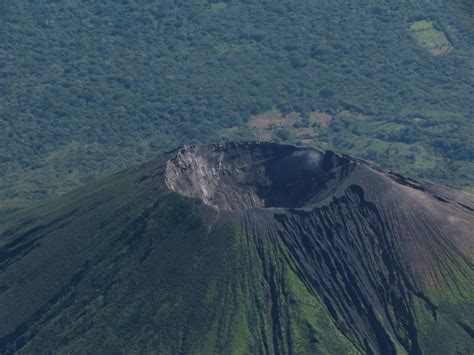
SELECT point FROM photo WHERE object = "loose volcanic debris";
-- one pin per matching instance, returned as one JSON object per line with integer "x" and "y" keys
{"x": 365, "y": 239}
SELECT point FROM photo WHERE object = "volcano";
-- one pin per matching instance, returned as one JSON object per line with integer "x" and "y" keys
{"x": 242, "y": 248}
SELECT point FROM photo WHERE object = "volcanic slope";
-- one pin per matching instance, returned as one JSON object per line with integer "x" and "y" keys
{"x": 242, "y": 248}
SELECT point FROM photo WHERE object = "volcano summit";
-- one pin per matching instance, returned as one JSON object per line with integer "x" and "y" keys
{"x": 242, "y": 248}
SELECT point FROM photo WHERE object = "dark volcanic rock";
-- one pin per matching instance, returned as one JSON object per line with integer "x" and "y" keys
{"x": 365, "y": 239}
{"x": 247, "y": 175}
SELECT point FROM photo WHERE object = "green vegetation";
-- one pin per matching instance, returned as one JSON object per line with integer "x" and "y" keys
{"x": 442, "y": 335}
{"x": 88, "y": 88}
{"x": 429, "y": 37}
{"x": 123, "y": 265}
{"x": 150, "y": 276}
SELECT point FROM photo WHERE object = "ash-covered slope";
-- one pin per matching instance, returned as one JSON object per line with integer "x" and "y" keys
{"x": 272, "y": 249}
{"x": 371, "y": 243}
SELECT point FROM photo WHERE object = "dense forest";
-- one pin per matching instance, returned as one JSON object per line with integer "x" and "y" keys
{"x": 91, "y": 87}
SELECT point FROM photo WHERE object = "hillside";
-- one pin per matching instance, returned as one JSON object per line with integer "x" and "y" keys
{"x": 87, "y": 87}
{"x": 242, "y": 248}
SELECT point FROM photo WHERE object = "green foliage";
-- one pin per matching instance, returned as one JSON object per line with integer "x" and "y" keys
{"x": 86, "y": 88}
{"x": 448, "y": 330}
{"x": 283, "y": 134}
{"x": 428, "y": 36}
{"x": 150, "y": 276}
{"x": 122, "y": 265}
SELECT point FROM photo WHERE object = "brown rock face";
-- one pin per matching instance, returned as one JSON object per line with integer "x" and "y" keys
{"x": 243, "y": 176}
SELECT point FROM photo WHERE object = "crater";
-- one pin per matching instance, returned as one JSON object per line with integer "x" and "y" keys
{"x": 237, "y": 176}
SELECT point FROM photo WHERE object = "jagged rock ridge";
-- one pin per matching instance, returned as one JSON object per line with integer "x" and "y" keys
{"x": 232, "y": 177}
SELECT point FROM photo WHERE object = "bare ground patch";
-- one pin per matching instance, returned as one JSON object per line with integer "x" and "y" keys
{"x": 265, "y": 126}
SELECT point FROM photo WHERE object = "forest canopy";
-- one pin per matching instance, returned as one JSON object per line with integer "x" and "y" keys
{"x": 92, "y": 87}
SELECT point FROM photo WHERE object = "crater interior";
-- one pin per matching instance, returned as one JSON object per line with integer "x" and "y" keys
{"x": 236, "y": 176}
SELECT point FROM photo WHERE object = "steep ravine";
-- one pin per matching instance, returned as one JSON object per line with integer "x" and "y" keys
{"x": 346, "y": 226}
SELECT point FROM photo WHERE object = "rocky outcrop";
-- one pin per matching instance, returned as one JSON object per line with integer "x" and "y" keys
{"x": 238, "y": 176}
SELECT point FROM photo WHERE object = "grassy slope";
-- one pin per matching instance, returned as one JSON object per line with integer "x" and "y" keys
{"x": 428, "y": 36}
{"x": 127, "y": 266}
{"x": 147, "y": 274}
{"x": 87, "y": 88}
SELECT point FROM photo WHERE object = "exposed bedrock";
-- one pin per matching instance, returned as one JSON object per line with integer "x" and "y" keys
{"x": 239, "y": 176}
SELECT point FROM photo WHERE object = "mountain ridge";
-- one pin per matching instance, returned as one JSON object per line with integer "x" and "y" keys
{"x": 244, "y": 247}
